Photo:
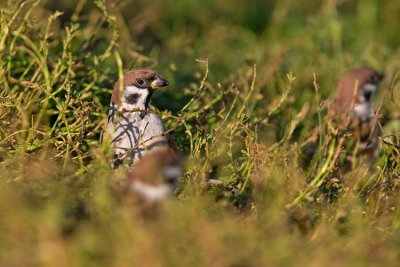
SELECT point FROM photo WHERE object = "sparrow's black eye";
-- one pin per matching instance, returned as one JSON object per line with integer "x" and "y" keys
{"x": 140, "y": 81}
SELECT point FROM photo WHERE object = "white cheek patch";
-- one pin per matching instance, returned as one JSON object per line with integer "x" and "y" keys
{"x": 370, "y": 88}
{"x": 141, "y": 95}
{"x": 363, "y": 111}
{"x": 131, "y": 89}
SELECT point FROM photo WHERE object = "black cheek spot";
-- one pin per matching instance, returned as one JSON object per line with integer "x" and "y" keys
{"x": 132, "y": 99}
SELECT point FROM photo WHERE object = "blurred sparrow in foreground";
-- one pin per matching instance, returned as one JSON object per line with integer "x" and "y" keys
{"x": 133, "y": 128}
{"x": 350, "y": 120}
{"x": 153, "y": 178}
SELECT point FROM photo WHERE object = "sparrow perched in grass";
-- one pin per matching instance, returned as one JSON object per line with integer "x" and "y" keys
{"x": 352, "y": 109}
{"x": 350, "y": 119}
{"x": 133, "y": 128}
{"x": 154, "y": 177}
{"x": 349, "y": 132}
{"x": 355, "y": 91}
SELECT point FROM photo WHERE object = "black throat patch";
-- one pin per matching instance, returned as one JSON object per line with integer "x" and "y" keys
{"x": 148, "y": 98}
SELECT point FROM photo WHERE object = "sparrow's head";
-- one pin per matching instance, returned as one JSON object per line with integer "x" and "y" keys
{"x": 355, "y": 91}
{"x": 137, "y": 88}
{"x": 155, "y": 176}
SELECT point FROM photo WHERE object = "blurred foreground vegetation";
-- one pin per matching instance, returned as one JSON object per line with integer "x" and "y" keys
{"x": 240, "y": 104}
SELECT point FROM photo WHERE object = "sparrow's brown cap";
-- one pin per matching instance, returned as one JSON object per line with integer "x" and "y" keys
{"x": 146, "y": 79}
{"x": 347, "y": 93}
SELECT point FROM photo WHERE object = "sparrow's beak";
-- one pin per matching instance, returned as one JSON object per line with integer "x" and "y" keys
{"x": 159, "y": 82}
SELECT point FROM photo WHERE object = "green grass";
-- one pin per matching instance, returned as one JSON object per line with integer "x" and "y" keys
{"x": 240, "y": 105}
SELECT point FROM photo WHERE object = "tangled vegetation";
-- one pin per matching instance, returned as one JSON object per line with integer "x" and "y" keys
{"x": 249, "y": 82}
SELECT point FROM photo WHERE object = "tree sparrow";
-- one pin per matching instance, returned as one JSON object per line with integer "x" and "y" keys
{"x": 350, "y": 114}
{"x": 352, "y": 109}
{"x": 355, "y": 91}
{"x": 154, "y": 177}
{"x": 133, "y": 128}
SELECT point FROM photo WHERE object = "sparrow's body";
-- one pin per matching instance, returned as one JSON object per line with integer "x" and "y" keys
{"x": 133, "y": 128}
{"x": 135, "y": 135}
